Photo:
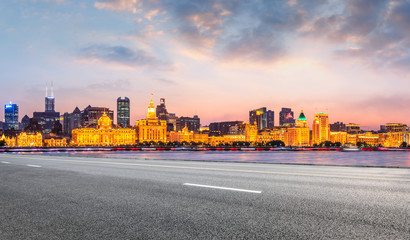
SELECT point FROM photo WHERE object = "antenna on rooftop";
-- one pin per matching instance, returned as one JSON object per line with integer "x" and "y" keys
{"x": 52, "y": 92}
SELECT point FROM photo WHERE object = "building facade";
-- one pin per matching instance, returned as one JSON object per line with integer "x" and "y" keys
{"x": 151, "y": 129}
{"x": 222, "y": 128}
{"x": 11, "y": 116}
{"x": 320, "y": 128}
{"x": 286, "y": 116}
{"x": 104, "y": 134}
{"x": 91, "y": 115}
{"x": 123, "y": 112}
{"x": 47, "y": 118}
{"x": 258, "y": 117}
{"x": 193, "y": 123}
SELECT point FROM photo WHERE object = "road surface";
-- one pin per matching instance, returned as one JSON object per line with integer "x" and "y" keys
{"x": 59, "y": 197}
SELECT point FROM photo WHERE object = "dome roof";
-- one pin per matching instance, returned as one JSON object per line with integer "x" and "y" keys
{"x": 104, "y": 121}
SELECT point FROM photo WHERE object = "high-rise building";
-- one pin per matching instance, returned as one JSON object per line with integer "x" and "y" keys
{"x": 286, "y": 116}
{"x": 161, "y": 110}
{"x": 123, "y": 112}
{"x": 11, "y": 116}
{"x": 270, "y": 119}
{"x": 71, "y": 121}
{"x": 49, "y": 100}
{"x": 47, "y": 118}
{"x": 299, "y": 135}
{"x": 193, "y": 123}
{"x": 25, "y": 121}
{"x": 320, "y": 128}
{"x": 91, "y": 115}
{"x": 258, "y": 117}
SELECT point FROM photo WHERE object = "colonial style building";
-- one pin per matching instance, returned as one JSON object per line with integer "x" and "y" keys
{"x": 300, "y": 134}
{"x": 103, "y": 135}
{"x": 151, "y": 129}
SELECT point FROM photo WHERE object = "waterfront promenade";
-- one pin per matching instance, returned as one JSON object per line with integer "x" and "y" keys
{"x": 60, "y": 197}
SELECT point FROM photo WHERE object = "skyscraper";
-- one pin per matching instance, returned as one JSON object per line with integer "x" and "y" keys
{"x": 47, "y": 118}
{"x": 123, "y": 112}
{"x": 25, "y": 121}
{"x": 71, "y": 121}
{"x": 258, "y": 117}
{"x": 270, "y": 119}
{"x": 49, "y": 100}
{"x": 320, "y": 128}
{"x": 11, "y": 116}
{"x": 286, "y": 116}
{"x": 161, "y": 110}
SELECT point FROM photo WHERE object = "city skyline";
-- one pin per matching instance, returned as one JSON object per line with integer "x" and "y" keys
{"x": 253, "y": 119}
{"x": 206, "y": 55}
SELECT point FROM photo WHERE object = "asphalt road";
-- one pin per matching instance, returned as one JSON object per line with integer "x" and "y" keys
{"x": 56, "y": 197}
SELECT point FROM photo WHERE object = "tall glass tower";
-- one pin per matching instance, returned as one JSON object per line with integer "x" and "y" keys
{"x": 11, "y": 113}
{"x": 123, "y": 112}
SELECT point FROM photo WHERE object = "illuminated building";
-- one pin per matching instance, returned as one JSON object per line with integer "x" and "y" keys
{"x": 47, "y": 118}
{"x": 251, "y": 133}
{"x": 103, "y": 135}
{"x": 320, "y": 128}
{"x": 230, "y": 139}
{"x": 151, "y": 129}
{"x": 396, "y": 127}
{"x": 286, "y": 116}
{"x": 29, "y": 140}
{"x": 204, "y": 129}
{"x": 351, "y": 138}
{"x": 353, "y": 128}
{"x": 187, "y": 136}
{"x": 259, "y": 117}
{"x": 55, "y": 142}
{"x": 340, "y": 137}
{"x": 11, "y": 115}
{"x": 10, "y": 141}
{"x": 201, "y": 138}
{"x": 182, "y": 136}
{"x": 395, "y": 139}
{"x": 216, "y": 140}
{"x": 300, "y": 134}
{"x": 123, "y": 112}
{"x": 91, "y": 115}
{"x": 271, "y": 135}
{"x": 369, "y": 138}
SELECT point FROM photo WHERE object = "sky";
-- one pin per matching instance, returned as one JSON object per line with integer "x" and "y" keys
{"x": 217, "y": 59}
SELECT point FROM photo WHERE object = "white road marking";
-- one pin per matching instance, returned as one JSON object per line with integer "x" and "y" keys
{"x": 30, "y": 165}
{"x": 222, "y": 188}
{"x": 5, "y": 162}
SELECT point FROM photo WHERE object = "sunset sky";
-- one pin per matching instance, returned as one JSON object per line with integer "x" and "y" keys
{"x": 217, "y": 59}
